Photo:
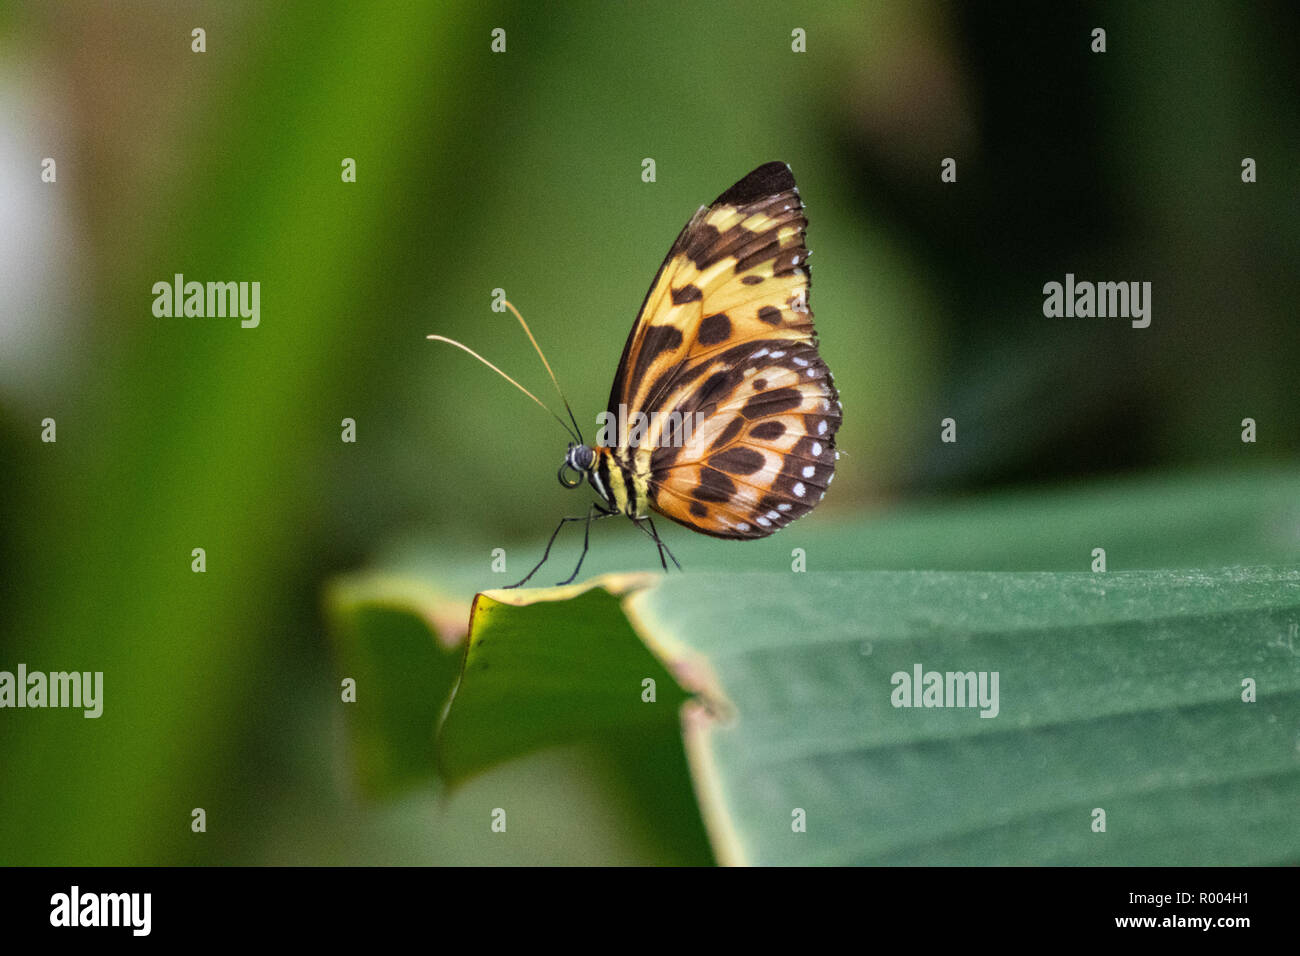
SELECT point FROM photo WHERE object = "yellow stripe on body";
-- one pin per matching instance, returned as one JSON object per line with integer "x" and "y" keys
{"x": 631, "y": 501}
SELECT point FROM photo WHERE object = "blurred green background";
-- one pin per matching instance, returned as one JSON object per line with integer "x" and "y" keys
{"x": 522, "y": 171}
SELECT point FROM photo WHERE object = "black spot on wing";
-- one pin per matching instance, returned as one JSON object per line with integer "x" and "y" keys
{"x": 772, "y": 403}
{"x": 687, "y": 293}
{"x": 750, "y": 280}
{"x": 738, "y": 461}
{"x": 769, "y": 314}
{"x": 767, "y": 431}
{"x": 714, "y": 329}
{"x": 714, "y": 486}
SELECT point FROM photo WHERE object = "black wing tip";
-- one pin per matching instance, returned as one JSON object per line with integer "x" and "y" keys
{"x": 768, "y": 180}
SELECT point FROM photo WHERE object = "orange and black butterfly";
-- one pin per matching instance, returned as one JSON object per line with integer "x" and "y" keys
{"x": 722, "y": 416}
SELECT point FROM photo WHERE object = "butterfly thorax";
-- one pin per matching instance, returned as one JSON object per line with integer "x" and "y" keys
{"x": 616, "y": 478}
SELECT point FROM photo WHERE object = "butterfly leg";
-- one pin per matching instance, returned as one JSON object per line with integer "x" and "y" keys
{"x": 661, "y": 544}
{"x": 594, "y": 513}
{"x": 653, "y": 532}
{"x": 547, "y": 553}
{"x": 658, "y": 544}
{"x": 600, "y": 513}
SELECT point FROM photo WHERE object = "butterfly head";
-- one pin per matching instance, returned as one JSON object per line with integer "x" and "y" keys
{"x": 577, "y": 465}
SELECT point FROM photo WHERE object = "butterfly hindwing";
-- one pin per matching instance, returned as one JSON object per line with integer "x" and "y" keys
{"x": 764, "y": 452}
{"x": 725, "y": 336}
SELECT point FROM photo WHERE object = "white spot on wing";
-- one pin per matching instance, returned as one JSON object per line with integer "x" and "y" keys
{"x": 798, "y": 489}
{"x": 809, "y": 471}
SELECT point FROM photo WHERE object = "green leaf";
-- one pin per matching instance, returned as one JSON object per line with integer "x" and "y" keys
{"x": 389, "y": 639}
{"x": 529, "y": 679}
{"x": 1116, "y": 691}
{"x": 552, "y": 666}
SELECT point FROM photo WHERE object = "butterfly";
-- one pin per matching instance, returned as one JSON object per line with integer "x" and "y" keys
{"x": 722, "y": 416}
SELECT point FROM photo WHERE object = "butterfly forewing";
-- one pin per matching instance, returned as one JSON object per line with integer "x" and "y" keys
{"x": 725, "y": 336}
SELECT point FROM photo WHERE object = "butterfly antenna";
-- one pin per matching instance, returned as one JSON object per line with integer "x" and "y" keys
{"x": 466, "y": 348}
{"x": 529, "y": 333}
